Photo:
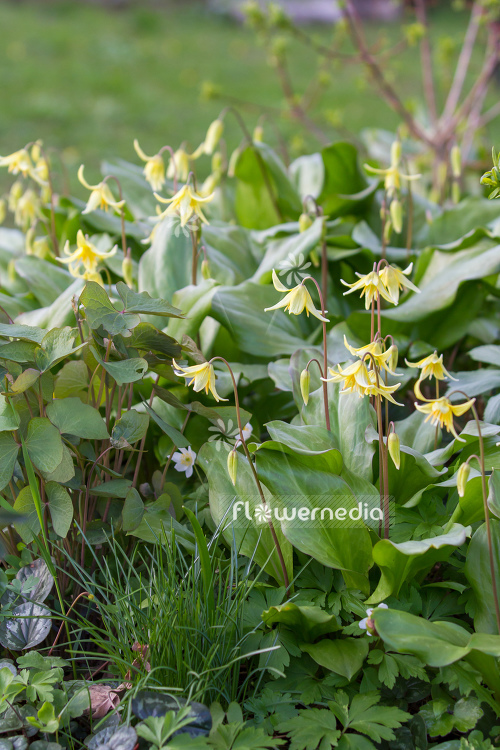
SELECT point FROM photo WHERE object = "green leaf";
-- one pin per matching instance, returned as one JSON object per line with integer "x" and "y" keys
{"x": 313, "y": 728}
{"x": 175, "y": 436}
{"x": 100, "y": 312}
{"x": 146, "y": 337}
{"x": 56, "y": 345}
{"x": 29, "y": 527}
{"x": 26, "y": 333}
{"x": 402, "y": 562}
{"x": 72, "y": 417}
{"x": 44, "y": 444}
{"x": 133, "y": 510}
{"x": 60, "y": 508}
{"x": 142, "y": 302}
{"x": 8, "y": 457}
{"x": 131, "y": 427}
{"x": 344, "y": 656}
{"x": 343, "y": 181}
{"x": 126, "y": 371}
{"x": 9, "y": 417}
{"x": 478, "y": 572}
{"x": 113, "y": 488}
{"x": 26, "y": 380}
{"x": 309, "y": 622}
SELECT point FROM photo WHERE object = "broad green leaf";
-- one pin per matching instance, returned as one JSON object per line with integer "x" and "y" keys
{"x": 72, "y": 417}
{"x": 26, "y": 333}
{"x": 478, "y": 573}
{"x": 293, "y": 249}
{"x": 28, "y": 627}
{"x": 142, "y": 302}
{"x": 263, "y": 334}
{"x": 44, "y": 444}
{"x": 113, "y": 488}
{"x": 56, "y": 345}
{"x": 9, "y": 417}
{"x": 44, "y": 279}
{"x": 332, "y": 529}
{"x": 147, "y": 338}
{"x": 18, "y": 351}
{"x": 402, "y": 562}
{"x": 131, "y": 427}
{"x": 101, "y": 313}
{"x": 125, "y": 371}
{"x": 72, "y": 380}
{"x": 166, "y": 266}
{"x": 343, "y": 181}
{"x": 26, "y": 380}
{"x": 29, "y": 527}
{"x": 308, "y": 622}
{"x": 175, "y": 436}
{"x": 60, "y": 508}
{"x": 133, "y": 510}
{"x": 8, "y": 456}
{"x": 64, "y": 472}
{"x": 344, "y": 656}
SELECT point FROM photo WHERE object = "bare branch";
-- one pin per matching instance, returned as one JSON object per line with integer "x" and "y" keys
{"x": 463, "y": 61}
{"x": 426, "y": 58}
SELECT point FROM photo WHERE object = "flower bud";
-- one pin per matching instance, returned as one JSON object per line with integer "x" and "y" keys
{"x": 3, "y": 210}
{"x": 305, "y": 381}
{"x": 387, "y": 231}
{"x": 232, "y": 465}
{"x": 396, "y": 151}
{"x": 305, "y": 222}
{"x": 258, "y": 134}
{"x": 233, "y": 160}
{"x": 462, "y": 477}
{"x": 127, "y": 271}
{"x": 456, "y": 161}
{"x": 392, "y": 362}
{"x": 394, "y": 449}
{"x": 205, "y": 269}
{"x": 396, "y": 210}
{"x": 213, "y": 136}
{"x": 217, "y": 161}
{"x": 455, "y": 192}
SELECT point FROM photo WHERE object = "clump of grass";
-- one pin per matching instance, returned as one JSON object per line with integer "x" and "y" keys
{"x": 165, "y": 619}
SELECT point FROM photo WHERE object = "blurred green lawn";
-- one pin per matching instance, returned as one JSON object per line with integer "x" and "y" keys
{"x": 89, "y": 80}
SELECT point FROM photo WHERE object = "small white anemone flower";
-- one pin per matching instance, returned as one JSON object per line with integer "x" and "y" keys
{"x": 184, "y": 460}
{"x": 365, "y": 623}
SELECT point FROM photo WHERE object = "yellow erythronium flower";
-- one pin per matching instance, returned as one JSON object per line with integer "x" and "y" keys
{"x": 356, "y": 377}
{"x": 212, "y": 138}
{"x": 27, "y": 209}
{"x": 387, "y": 359}
{"x": 393, "y": 176}
{"x": 100, "y": 196}
{"x": 371, "y": 285}
{"x": 186, "y": 202}
{"x": 296, "y": 300}
{"x": 432, "y": 367}
{"x": 395, "y": 279}
{"x": 441, "y": 411}
{"x": 154, "y": 170}
{"x": 178, "y": 166}
{"x": 203, "y": 377}
{"x": 86, "y": 255}
{"x": 18, "y": 163}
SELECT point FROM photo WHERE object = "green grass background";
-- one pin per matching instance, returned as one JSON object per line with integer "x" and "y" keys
{"x": 89, "y": 80}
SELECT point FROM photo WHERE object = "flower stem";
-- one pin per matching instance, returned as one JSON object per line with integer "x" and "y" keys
{"x": 325, "y": 352}
{"x": 253, "y": 469}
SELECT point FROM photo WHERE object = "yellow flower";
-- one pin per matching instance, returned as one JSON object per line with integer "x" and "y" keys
{"x": 186, "y": 202}
{"x": 395, "y": 279}
{"x": 3, "y": 210}
{"x": 39, "y": 246}
{"x": 178, "y": 166}
{"x": 15, "y": 193}
{"x": 432, "y": 367}
{"x": 27, "y": 209}
{"x": 393, "y": 176}
{"x": 371, "y": 286}
{"x": 154, "y": 171}
{"x": 388, "y": 359}
{"x": 18, "y": 163}
{"x": 86, "y": 255}
{"x": 203, "y": 377}
{"x": 356, "y": 377}
{"x": 212, "y": 138}
{"x": 100, "y": 196}
{"x": 296, "y": 300}
{"x": 441, "y": 411}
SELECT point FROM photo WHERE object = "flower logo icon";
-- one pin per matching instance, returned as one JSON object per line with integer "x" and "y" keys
{"x": 294, "y": 269}
{"x": 262, "y": 513}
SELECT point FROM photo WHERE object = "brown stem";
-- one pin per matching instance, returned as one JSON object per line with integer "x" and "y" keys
{"x": 383, "y": 450}
{"x": 83, "y": 593}
{"x": 103, "y": 378}
{"x": 253, "y": 469}
{"x": 194, "y": 263}
{"x": 426, "y": 61}
{"x": 463, "y": 61}
{"x": 86, "y": 504}
{"x": 143, "y": 441}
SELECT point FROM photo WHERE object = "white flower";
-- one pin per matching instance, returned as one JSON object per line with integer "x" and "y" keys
{"x": 247, "y": 432}
{"x": 363, "y": 623}
{"x": 184, "y": 460}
